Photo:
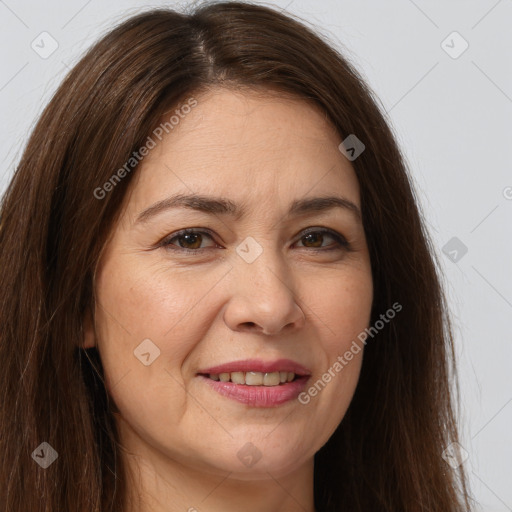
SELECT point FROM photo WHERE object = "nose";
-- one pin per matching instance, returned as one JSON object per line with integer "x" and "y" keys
{"x": 263, "y": 298}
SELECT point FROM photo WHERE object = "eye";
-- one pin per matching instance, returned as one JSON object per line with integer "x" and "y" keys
{"x": 314, "y": 237}
{"x": 188, "y": 240}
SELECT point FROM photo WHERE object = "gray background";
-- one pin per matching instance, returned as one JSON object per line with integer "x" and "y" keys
{"x": 452, "y": 117}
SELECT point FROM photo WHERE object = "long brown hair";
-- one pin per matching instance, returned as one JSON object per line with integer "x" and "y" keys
{"x": 386, "y": 455}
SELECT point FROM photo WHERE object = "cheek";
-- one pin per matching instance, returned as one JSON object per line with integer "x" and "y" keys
{"x": 144, "y": 334}
{"x": 342, "y": 309}
{"x": 342, "y": 305}
{"x": 147, "y": 301}
{"x": 147, "y": 309}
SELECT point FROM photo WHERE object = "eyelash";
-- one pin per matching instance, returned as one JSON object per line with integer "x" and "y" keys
{"x": 341, "y": 242}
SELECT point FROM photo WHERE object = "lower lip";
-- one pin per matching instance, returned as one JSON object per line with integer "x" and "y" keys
{"x": 259, "y": 396}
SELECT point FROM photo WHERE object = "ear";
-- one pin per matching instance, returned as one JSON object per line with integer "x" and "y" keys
{"x": 89, "y": 340}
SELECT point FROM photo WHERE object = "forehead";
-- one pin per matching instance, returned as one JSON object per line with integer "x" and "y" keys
{"x": 247, "y": 146}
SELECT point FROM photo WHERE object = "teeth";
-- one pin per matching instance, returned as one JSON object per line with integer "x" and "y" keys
{"x": 271, "y": 379}
{"x": 238, "y": 377}
{"x": 255, "y": 378}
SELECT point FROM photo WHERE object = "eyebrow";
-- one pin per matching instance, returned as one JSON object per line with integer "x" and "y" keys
{"x": 222, "y": 206}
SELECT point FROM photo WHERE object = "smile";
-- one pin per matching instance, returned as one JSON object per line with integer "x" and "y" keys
{"x": 257, "y": 383}
{"x": 254, "y": 378}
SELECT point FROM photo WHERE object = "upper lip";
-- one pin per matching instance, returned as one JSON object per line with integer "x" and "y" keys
{"x": 258, "y": 365}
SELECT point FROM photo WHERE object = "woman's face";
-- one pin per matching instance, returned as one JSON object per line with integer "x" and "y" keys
{"x": 263, "y": 283}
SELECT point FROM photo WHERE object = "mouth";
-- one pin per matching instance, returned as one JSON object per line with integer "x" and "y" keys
{"x": 258, "y": 383}
{"x": 256, "y": 372}
{"x": 268, "y": 379}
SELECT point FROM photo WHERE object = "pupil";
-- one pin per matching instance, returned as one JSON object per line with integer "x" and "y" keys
{"x": 313, "y": 235}
{"x": 186, "y": 236}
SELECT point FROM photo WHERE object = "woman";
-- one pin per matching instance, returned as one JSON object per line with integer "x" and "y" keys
{"x": 218, "y": 289}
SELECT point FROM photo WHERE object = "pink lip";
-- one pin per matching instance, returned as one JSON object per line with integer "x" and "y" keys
{"x": 257, "y": 365}
{"x": 259, "y": 396}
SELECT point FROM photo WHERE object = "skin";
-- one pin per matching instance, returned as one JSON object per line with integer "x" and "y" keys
{"x": 180, "y": 438}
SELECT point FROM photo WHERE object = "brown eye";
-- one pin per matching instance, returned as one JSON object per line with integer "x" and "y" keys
{"x": 315, "y": 238}
{"x": 188, "y": 240}
{"x": 191, "y": 240}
